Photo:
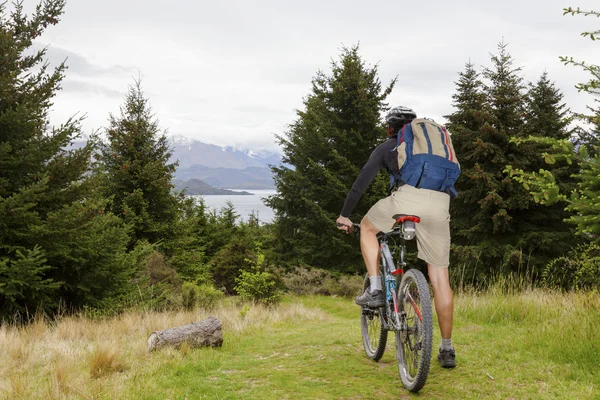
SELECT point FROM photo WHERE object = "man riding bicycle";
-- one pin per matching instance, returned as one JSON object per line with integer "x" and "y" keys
{"x": 433, "y": 232}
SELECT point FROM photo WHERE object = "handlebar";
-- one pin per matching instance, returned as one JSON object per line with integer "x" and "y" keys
{"x": 355, "y": 228}
{"x": 398, "y": 229}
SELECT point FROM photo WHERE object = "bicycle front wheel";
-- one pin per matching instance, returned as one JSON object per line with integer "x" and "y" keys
{"x": 373, "y": 332}
{"x": 414, "y": 339}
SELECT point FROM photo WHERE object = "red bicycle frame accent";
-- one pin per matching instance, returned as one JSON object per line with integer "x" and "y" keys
{"x": 412, "y": 301}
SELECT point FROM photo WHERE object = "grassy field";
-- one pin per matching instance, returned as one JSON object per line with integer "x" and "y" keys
{"x": 533, "y": 345}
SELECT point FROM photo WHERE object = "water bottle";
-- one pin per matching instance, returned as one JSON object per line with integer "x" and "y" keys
{"x": 408, "y": 230}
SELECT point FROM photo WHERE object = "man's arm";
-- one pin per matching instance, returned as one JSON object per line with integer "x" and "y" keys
{"x": 366, "y": 176}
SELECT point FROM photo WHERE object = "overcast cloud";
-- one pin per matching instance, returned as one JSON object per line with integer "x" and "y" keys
{"x": 233, "y": 72}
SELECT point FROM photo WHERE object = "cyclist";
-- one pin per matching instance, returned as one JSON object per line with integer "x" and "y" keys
{"x": 433, "y": 232}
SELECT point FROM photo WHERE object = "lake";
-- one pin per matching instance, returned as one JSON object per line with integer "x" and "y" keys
{"x": 244, "y": 205}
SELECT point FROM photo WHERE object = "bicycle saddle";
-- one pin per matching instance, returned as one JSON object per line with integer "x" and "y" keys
{"x": 400, "y": 218}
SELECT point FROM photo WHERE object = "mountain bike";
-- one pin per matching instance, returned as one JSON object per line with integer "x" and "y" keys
{"x": 407, "y": 310}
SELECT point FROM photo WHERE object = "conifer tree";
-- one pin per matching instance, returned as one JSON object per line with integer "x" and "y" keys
{"x": 495, "y": 219}
{"x": 546, "y": 113}
{"x": 471, "y": 114}
{"x": 56, "y": 245}
{"x": 137, "y": 174}
{"x": 325, "y": 148}
{"x": 483, "y": 214}
{"x": 545, "y": 184}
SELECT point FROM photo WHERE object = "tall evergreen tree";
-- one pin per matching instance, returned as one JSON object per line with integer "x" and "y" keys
{"x": 584, "y": 201}
{"x": 494, "y": 218}
{"x": 325, "y": 149}
{"x": 470, "y": 115}
{"x": 55, "y": 245}
{"x": 137, "y": 173}
{"x": 546, "y": 113}
{"x": 548, "y": 117}
{"x": 483, "y": 214}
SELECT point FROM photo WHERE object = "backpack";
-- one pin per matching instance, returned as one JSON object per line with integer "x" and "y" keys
{"x": 426, "y": 157}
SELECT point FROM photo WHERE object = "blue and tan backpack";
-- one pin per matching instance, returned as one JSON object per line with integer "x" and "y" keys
{"x": 426, "y": 157}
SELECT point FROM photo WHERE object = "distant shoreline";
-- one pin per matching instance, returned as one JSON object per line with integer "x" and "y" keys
{"x": 228, "y": 193}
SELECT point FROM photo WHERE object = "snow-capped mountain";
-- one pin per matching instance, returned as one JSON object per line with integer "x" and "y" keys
{"x": 221, "y": 167}
{"x": 192, "y": 152}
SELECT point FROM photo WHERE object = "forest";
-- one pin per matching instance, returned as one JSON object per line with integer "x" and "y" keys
{"x": 101, "y": 229}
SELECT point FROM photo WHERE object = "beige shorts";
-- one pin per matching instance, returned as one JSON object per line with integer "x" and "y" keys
{"x": 433, "y": 232}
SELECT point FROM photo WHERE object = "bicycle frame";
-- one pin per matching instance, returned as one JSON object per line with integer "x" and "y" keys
{"x": 406, "y": 290}
{"x": 391, "y": 276}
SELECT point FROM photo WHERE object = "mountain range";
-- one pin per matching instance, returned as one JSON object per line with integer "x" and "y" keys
{"x": 223, "y": 167}
{"x": 197, "y": 187}
{"x": 219, "y": 167}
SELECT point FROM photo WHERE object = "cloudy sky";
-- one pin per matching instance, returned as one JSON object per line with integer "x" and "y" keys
{"x": 233, "y": 72}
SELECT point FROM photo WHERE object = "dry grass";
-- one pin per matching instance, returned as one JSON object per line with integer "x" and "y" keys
{"x": 106, "y": 360}
{"x": 75, "y": 357}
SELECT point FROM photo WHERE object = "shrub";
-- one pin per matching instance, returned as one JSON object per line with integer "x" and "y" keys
{"x": 189, "y": 295}
{"x": 579, "y": 270}
{"x": 228, "y": 263}
{"x": 256, "y": 284}
{"x": 350, "y": 285}
{"x": 203, "y": 296}
{"x": 305, "y": 281}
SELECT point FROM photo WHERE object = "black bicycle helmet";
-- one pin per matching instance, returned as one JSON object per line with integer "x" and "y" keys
{"x": 400, "y": 115}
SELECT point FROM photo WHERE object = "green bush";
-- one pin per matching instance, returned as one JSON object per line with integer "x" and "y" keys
{"x": 189, "y": 295}
{"x": 209, "y": 297}
{"x": 228, "y": 263}
{"x": 305, "y": 281}
{"x": 159, "y": 288}
{"x": 350, "y": 285}
{"x": 579, "y": 270}
{"x": 203, "y": 296}
{"x": 256, "y": 284}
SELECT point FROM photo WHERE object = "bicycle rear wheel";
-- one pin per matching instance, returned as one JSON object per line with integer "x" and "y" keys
{"x": 414, "y": 340}
{"x": 373, "y": 332}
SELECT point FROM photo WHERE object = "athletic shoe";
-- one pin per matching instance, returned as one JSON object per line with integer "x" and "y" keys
{"x": 374, "y": 300}
{"x": 447, "y": 358}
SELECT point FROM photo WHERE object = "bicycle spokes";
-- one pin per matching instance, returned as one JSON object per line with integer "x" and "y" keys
{"x": 414, "y": 339}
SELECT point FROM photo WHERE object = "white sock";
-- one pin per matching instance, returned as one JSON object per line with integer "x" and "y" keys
{"x": 446, "y": 344}
{"x": 375, "y": 283}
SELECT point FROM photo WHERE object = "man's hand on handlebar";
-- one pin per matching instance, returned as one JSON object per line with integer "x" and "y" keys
{"x": 344, "y": 224}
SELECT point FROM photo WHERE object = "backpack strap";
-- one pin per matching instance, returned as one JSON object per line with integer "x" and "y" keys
{"x": 427, "y": 138}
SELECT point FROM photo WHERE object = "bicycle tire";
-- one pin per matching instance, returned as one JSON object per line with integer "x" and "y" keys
{"x": 414, "y": 341}
{"x": 373, "y": 332}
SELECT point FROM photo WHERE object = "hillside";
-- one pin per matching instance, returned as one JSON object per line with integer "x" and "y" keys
{"x": 249, "y": 178}
{"x": 533, "y": 345}
{"x": 190, "y": 152}
{"x": 195, "y": 187}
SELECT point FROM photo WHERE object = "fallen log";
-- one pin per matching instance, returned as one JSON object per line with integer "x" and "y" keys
{"x": 206, "y": 333}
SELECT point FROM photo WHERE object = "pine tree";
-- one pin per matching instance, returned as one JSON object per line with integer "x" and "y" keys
{"x": 495, "y": 219}
{"x": 481, "y": 213}
{"x": 546, "y": 114}
{"x": 548, "y": 117}
{"x": 325, "y": 148}
{"x": 137, "y": 174}
{"x": 465, "y": 124}
{"x": 55, "y": 244}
